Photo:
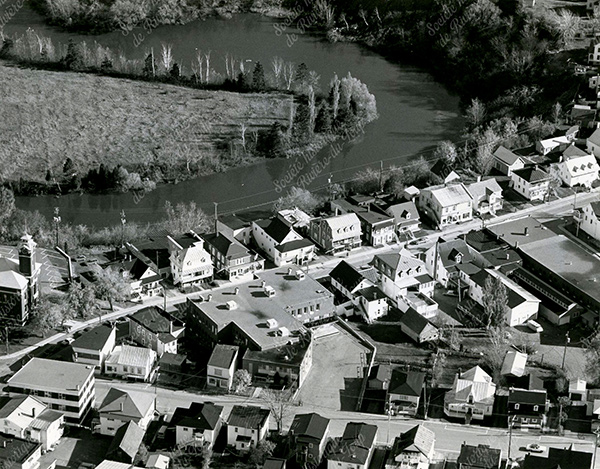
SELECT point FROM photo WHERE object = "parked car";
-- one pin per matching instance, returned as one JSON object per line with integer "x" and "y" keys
{"x": 535, "y": 448}
{"x": 451, "y": 293}
{"x": 534, "y": 326}
{"x": 80, "y": 258}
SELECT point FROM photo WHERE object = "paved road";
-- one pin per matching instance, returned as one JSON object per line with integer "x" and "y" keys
{"x": 449, "y": 436}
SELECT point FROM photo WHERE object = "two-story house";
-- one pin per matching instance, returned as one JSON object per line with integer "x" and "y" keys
{"x": 29, "y": 418}
{"x": 405, "y": 280}
{"x": 444, "y": 258}
{"x": 575, "y": 168}
{"x": 66, "y": 387}
{"x": 478, "y": 457}
{"x": 142, "y": 276}
{"x": 413, "y": 449}
{"x": 471, "y": 396}
{"x": 154, "y": 328}
{"x": 531, "y": 182}
{"x": 355, "y": 449}
{"x": 231, "y": 259}
{"x": 593, "y": 143}
{"x": 347, "y": 280}
{"x": 221, "y": 366}
{"x": 594, "y": 52}
{"x": 560, "y": 142}
{"x": 336, "y": 234}
{"x": 446, "y": 205}
{"x": 190, "y": 263}
{"x": 281, "y": 243}
{"x": 404, "y": 392}
{"x": 406, "y": 217}
{"x": 506, "y": 161}
{"x": 527, "y": 408}
{"x": 376, "y": 225}
{"x": 121, "y": 407}
{"x": 126, "y": 443}
{"x": 197, "y": 425}
{"x": 247, "y": 426}
{"x": 308, "y": 436}
{"x": 18, "y": 453}
{"x": 486, "y": 195}
{"x": 94, "y": 346}
{"x": 589, "y": 219}
{"x": 234, "y": 227}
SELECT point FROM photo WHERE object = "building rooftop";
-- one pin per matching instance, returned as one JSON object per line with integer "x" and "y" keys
{"x": 532, "y": 174}
{"x": 452, "y": 194}
{"x": 275, "y": 228}
{"x": 248, "y": 416}
{"x": 127, "y": 403}
{"x": 407, "y": 383}
{"x": 479, "y": 190}
{"x": 94, "y": 339}
{"x": 199, "y": 415}
{"x": 234, "y": 222}
{"x": 525, "y": 396}
{"x": 454, "y": 252}
{"x": 229, "y": 248}
{"x": 559, "y": 458}
{"x": 131, "y": 356}
{"x": 223, "y": 355}
{"x": 40, "y": 373}
{"x": 348, "y": 276}
{"x": 274, "y": 463}
{"x": 310, "y": 425}
{"x": 400, "y": 262}
{"x": 14, "y": 452}
{"x": 418, "y": 439}
{"x": 127, "y": 439}
{"x": 157, "y": 320}
{"x": 569, "y": 261}
{"x": 404, "y": 212}
{"x": 506, "y": 156}
{"x": 355, "y": 444}
{"x": 415, "y": 321}
{"x": 514, "y": 363}
{"x": 522, "y": 231}
{"x": 486, "y": 457}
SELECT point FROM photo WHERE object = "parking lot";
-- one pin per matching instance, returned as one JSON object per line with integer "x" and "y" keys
{"x": 334, "y": 380}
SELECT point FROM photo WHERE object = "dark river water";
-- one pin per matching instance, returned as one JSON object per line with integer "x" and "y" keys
{"x": 415, "y": 113}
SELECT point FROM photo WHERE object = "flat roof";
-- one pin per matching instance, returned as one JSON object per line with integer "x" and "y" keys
{"x": 571, "y": 262}
{"x": 40, "y": 373}
{"x": 253, "y": 307}
{"x": 522, "y": 231}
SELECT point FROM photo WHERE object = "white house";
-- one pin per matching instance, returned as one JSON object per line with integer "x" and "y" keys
{"x": 576, "y": 167}
{"x": 546, "y": 146}
{"x": 131, "y": 362}
{"x": 506, "y": 161}
{"x": 355, "y": 449}
{"x": 444, "y": 258}
{"x": 406, "y": 217}
{"x": 486, "y": 195}
{"x": 522, "y": 305}
{"x": 221, "y": 366}
{"x": 413, "y": 449}
{"x": 593, "y": 143}
{"x": 372, "y": 303}
{"x": 121, "y": 407}
{"x": 446, "y": 205}
{"x": 337, "y": 234}
{"x": 589, "y": 219}
{"x": 29, "y": 418}
{"x": 594, "y": 53}
{"x": 348, "y": 279}
{"x": 405, "y": 280}
{"x": 404, "y": 392}
{"x": 190, "y": 262}
{"x": 531, "y": 182}
{"x": 94, "y": 346}
{"x": 198, "y": 425}
{"x": 247, "y": 426}
{"x": 471, "y": 396}
{"x": 281, "y": 243}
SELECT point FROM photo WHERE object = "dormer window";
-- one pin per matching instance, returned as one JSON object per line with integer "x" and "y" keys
{"x": 407, "y": 216}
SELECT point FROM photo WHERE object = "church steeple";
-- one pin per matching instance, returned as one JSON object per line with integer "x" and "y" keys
{"x": 26, "y": 248}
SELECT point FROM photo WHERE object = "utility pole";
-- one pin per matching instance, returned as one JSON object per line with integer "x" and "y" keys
{"x": 216, "y": 216}
{"x": 57, "y": 220}
{"x": 426, "y": 404}
{"x": 510, "y": 426}
{"x": 597, "y": 433}
{"x": 568, "y": 340}
{"x": 123, "y": 221}
{"x": 381, "y": 176}
{"x": 389, "y": 413}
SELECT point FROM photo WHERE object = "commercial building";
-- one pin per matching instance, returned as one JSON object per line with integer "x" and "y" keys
{"x": 131, "y": 363}
{"x": 66, "y": 387}
{"x": 94, "y": 346}
{"x": 190, "y": 263}
{"x": 337, "y": 234}
{"x": 446, "y": 205}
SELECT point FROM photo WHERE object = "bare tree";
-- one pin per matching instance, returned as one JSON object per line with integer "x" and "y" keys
{"x": 207, "y": 58}
{"x": 335, "y": 95}
{"x": 311, "y": 109}
{"x": 344, "y": 19}
{"x": 198, "y": 66}
{"x": 279, "y": 403}
{"x": 289, "y": 71}
{"x": 277, "y": 64}
{"x": 167, "y": 57}
{"x": 363, "y": 14}
{"x": 243, "y": 129}
{"x": 495, "y": 301}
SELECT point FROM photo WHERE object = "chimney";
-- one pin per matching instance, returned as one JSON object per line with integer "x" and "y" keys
{"x": 236, "y": 291}
{"x": 516, "y": 245}
{"x": 33, "y": 412}
{"x": 209, "y": 297}
{"x": 263, "y": 284}
{"x": 478, "y": 178}
{"x": 507, "y": 255}
{"x": 526, "y": 231}
{"x": 337, "y": 211}
{"x": 289, "y": 271}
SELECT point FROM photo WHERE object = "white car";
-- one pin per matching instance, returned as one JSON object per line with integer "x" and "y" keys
{"x": 535, "y": 448}
{"x": 534, "y": 326}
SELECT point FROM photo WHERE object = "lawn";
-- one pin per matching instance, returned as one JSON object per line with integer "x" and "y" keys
{"x": 48, "y": 116}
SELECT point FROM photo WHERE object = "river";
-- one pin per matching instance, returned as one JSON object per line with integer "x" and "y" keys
{"x": 415, "y": 113}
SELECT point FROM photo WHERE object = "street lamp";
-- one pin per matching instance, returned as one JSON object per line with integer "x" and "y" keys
{"x": 57, "y": 220}
{"x": 565, "y": 350}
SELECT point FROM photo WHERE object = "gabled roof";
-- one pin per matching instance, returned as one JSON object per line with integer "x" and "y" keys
{"x": 486, "y": 457}
{"x": 514, "y": 363}
{"x": 128, "y": 439}
{"x": 573, "y": 152}
{"x": 478, "y": 190}
{"x": 355, "y": 444}
{"x": 418, "y": 439}
{"x": 274, "y": 463}
{"x": 223, "y": 355}
{"x": 559, "y": 458}
{"x": 347, "y": 275}
{"x": 46, "y": 418}
{"x": 451, "y": 252}
{"x": 525, "y": 396}
{"x": 310, "y": 425}
{"x": 229, "y": 248}
{"x": 407, "y": 383}
{"x": 506, "y": 156}
{"x": 131, "y": 356}
{"x": 340, "y": 222}
{"x": 402, "y": 261}
{"x": 248, "y": 416}
{"x": 532, "y": 174}
{"x": 156, "y": 320}
{"x": 381, "y": 372}
{"x": 415, "y": 321}
{"x": 10, "y": 276}
{"x": 94, "y": 339}
{"x": 293, "y": 245}
{"x": 449, "y": 195}
{"x": 14, "y": 452}
{"x": 127, "y": 403}
{"x": 275, "y": 228}
{"x": 404, "y": 211}
{"x": 595, "y": 206}
{"x": 595, "y": 137}
{"x": 202, "y": 416}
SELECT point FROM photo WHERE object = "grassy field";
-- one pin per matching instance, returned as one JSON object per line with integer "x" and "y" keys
{"x": 47, "y": 116}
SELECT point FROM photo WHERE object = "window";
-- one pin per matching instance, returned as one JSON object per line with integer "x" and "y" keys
{"x": 517, "y": 406}
{"x": 535, "y": 408}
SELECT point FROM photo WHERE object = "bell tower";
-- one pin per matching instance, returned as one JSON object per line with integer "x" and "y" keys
{"x": 26, "y": 248}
